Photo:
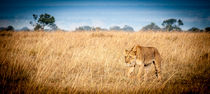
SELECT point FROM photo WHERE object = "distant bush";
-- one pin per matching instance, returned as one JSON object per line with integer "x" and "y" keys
{"x": 194, "y": 29}
{"x": 89, "y": 28}
{"x": 125, "y": 28}
{"x": 115, "y": 28}
{"x": 99, "y": 29}
{"x": 207, "y": 29}
{"x": 152, "y": 26}
{"x": 84, "y": 28}
{"x": 2, "y": 29}
{"x": 9, "y": 28}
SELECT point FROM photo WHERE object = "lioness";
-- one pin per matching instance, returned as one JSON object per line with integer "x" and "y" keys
{"x": 143, "y": 56}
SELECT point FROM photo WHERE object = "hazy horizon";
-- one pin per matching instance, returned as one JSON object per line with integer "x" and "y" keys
{"x": 70, "y": 14}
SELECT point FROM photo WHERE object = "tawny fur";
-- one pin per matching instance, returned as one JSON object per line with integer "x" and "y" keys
{"x": 143, "y": 56}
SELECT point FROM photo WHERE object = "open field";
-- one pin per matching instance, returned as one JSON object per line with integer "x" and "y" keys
{"x": 93, "y": 62}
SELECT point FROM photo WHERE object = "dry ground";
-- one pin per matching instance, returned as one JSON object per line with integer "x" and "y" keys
{"x": 93, "y": 62}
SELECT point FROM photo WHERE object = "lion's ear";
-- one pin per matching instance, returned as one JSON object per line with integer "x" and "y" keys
{"x": 126, "y": 52}
{"x": 134, "y": 49}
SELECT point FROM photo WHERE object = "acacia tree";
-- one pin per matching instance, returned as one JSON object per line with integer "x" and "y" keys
{"x": 172, "y": 24}
{"x": 42, "y": 21}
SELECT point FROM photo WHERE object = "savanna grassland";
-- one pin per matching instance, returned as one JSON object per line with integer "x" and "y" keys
{"x": 93, "y": 62}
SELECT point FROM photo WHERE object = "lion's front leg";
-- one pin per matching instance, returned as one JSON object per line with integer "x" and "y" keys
{"x": 130, "y": 71}
{"x": 140, "y": 71}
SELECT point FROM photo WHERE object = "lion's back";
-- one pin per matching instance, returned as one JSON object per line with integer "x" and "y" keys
{"x": 148, "y": 53}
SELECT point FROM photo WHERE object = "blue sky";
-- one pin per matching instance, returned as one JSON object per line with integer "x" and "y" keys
{"x": 70, "y": 14}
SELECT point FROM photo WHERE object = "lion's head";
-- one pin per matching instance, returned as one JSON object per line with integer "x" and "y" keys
{"x": 130, "y": 57}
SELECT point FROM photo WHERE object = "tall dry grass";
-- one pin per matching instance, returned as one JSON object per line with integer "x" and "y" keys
{"x": 93, "y": 62}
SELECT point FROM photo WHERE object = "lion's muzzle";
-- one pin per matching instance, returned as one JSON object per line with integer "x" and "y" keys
{"x": 131, "y": 64}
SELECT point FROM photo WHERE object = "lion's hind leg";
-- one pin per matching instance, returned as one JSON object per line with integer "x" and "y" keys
{"x": 157, "y": 69}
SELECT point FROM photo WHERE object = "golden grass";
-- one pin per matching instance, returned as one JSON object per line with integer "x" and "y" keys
{"x": 93, "y": 62}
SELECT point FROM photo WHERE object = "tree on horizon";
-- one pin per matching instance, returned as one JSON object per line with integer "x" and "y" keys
{"x": 172, "y": 24}
{"x": 42, "y": 21}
